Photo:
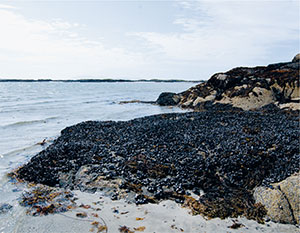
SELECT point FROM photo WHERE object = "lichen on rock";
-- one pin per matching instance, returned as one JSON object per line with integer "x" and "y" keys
{"x": 247, "y": 88}
{"x": 281, "y": 200}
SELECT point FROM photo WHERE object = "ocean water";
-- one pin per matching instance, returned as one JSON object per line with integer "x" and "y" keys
{"x": 33, "y": 112}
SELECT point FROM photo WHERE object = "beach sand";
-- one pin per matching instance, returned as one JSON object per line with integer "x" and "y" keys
{"x": 167, "y": 216}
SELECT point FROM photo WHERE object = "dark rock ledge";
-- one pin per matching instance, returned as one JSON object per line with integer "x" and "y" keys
{"x": 210, "y": 161}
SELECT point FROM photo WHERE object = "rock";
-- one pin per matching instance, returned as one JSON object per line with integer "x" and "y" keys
{"x": 246, "y": 88}
{"x": 275, "y": 203}
{"x": 296, "y": 58}
{"x": 4, "y": 208}
{"x": 168, "y": 99}
{"x": 215, "y": 106}
{"x": 291, "y": 106}
{"x": 136, "y": 102}
{"x": 256, "y": 98}
{"x": 290, "y": 187}
{"x": 281, "y": 200}
{"x": 210, "y": 97}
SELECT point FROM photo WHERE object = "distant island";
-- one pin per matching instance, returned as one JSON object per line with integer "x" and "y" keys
{"x": 101, "y": 80}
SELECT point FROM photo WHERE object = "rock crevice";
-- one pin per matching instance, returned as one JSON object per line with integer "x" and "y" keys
{"x": 281, "y": 200}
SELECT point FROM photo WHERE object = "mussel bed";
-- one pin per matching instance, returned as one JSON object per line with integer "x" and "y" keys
{"x": 224, "y": 154}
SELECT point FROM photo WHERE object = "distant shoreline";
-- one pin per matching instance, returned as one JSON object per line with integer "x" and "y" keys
{"x": 101, "y": 80}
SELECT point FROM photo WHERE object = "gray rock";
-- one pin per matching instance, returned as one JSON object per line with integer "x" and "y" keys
{"x": 290, "y": 188}
{"x": 168, "y": 99}
{"x": 275, "y": 203}
{"x": 282, "y": 201}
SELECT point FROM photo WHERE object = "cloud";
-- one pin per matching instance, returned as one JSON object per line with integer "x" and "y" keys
{"x": 207, "y": 37}
{"x": 4, "y": 6}
{"x": 56, "y": 48}
{"x": 230, "y": 33}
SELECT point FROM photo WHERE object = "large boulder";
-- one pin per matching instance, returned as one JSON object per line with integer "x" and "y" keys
{"x": 168, "y": 99}
{"x": 281, "y": 200}
{"x": 290, "y": 187}
{"x": 275, "y": 203}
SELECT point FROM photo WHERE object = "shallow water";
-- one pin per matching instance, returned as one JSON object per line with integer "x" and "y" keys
{"x": 32, "y": 112}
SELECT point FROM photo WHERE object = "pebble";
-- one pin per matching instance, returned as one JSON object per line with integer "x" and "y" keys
{"x": 4, "y": 208}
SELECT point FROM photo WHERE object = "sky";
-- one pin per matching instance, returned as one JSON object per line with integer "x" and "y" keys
{"x": 188, "y": 40}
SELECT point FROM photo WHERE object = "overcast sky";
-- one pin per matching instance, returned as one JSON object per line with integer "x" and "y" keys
{"x": 143, "y": 39}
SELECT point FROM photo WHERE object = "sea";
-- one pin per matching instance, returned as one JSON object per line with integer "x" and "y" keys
{"x": 36, "y": 112}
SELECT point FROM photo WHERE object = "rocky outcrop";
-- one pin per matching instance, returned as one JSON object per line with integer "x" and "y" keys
{"x": 248, "y": 88}
{"x": 168, "y": 99}
{"x": 296, "y": 58}
{"x": 281, "y": 200}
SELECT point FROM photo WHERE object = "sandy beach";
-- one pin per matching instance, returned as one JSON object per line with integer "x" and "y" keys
{"x": 167, "y": 216}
